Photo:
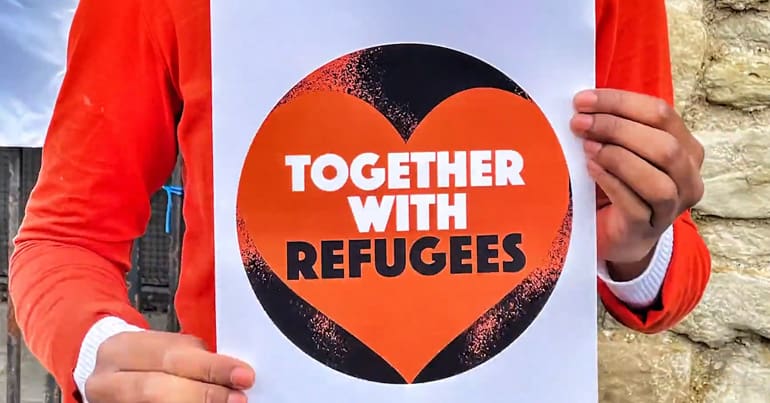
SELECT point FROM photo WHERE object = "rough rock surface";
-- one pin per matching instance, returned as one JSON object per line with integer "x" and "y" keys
{"x": 721, "y": 352}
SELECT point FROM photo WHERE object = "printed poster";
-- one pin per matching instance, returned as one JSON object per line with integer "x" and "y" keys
{"x": 401, "y": 211}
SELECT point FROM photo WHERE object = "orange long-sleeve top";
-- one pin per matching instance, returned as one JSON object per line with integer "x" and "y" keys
{"x": 137, "y": 90}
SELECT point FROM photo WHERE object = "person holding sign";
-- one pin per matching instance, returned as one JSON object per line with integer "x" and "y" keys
{"x": 138, "y": 89}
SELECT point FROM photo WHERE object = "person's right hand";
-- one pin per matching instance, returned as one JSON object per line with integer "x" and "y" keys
{"x": 164, "y": 367}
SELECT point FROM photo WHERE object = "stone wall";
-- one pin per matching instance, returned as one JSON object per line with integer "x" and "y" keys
{"x": 721, "y": 352}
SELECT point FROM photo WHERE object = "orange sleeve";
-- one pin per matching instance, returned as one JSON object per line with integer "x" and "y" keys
{"x": 109, "y": 147}
{"x": 633, "y": 54}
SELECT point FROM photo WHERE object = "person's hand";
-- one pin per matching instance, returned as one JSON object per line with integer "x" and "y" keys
{"x": 164, "y": 367}
{"x": 646, "y": 165}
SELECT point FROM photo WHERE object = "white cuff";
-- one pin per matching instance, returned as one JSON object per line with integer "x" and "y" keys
{"x": 642, "y": 291}
{"x": 102, "y": 330}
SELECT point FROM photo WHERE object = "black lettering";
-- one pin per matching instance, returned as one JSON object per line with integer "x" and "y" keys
{"x": 457, "y": 255}
{"x": 381, "y": 257}
{"x": 300, "y": 258}
{"x": 329, "y": 259}
{"x": 419, "y": 265}
{"x": 484, "y": 253}
{"x": 356, "y": 256}
{"x": 511, "y": 247}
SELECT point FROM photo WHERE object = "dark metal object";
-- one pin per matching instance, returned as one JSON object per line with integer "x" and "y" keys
{"x": 150, "y": 254}
{"x": 175, "y": 249}
{"x": 134, "y": 277}
{"x": 13, "y": 338}
{"x": 5, "y": 154}
{"x": 152, "y": 282}
{"x": 52, "y": 391}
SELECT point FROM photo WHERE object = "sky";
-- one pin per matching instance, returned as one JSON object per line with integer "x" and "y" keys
{"x": 33, "y": 39}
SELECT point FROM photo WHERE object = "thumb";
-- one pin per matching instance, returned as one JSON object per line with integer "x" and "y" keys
{"x": 151, "y": 387}
{"x": 174, "y": 354}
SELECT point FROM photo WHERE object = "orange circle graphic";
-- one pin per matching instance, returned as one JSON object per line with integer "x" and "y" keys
{"x": 404, "y": 213}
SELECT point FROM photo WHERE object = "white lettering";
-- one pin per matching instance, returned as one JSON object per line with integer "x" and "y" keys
{"x": 297, "y": 164}
{"x": 398, "y": 171}
{"x": 423, "y": 160}
{"x": 458, "y": 211}
{"x": 371, "y": 214}
{"x": 445, "y": 169}
{"x": 481, "y": 167}
{"x": 457, "y": 169}
{"x": 402, "y": 213}
{"x": 423, "y": 203}
{"x": 377, "y": 177}
{"x": 334, "y": 183}
{"x": 508, "y": 167}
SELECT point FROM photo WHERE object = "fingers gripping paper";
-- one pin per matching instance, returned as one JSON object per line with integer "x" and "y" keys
{"x": 401, "y": 212}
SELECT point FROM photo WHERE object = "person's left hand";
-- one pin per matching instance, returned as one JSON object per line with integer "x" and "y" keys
{"x": 646, "y": 165}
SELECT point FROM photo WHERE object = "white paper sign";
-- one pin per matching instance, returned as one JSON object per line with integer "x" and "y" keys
{"x": 401, "y": 211}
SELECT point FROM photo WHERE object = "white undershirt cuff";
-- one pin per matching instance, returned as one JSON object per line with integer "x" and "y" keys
{"x": 102, "y": 330}
{"x": 642, "y": 291}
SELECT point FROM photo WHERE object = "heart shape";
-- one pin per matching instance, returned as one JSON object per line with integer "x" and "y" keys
{"x": 406, "y": 316}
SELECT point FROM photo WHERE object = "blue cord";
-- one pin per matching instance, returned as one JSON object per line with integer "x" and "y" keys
{"x": 171, "y": 191}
